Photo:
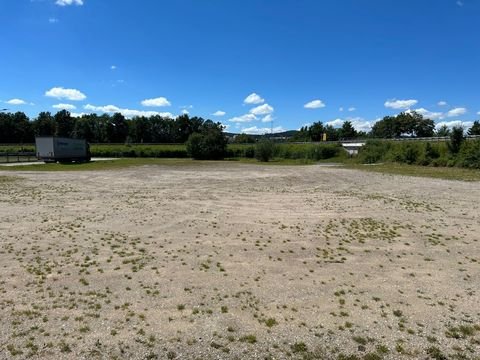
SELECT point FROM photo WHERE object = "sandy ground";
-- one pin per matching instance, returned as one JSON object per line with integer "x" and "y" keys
{"x": 220, "y": 261}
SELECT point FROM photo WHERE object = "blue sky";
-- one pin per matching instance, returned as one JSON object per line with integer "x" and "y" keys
{"x": 244, "y": 63}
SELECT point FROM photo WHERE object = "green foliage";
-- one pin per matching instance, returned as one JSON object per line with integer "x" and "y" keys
{"x": 264, "y": 150}
{"x": 469, "y": 154}
{"x": 456, "y": 139}
{"x": 405, "y": 123}
{"x": 208, "y": 145}
{"x": 475, "y": 129}
{"x": 244, "y": 139}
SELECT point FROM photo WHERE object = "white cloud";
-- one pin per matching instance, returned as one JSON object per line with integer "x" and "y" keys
{"x": 254, "y": 130}
{"x": 451, "y": 124}
{"x": 16, "y": 102}
{"x": 456, "y": 112}
{"x": 185, "y": 112}
{"x": 335, "y": 123}
{"x": 315, "y": 104}
{"x": 268, "y": 118}
{"x": 359, "y": 123}
{"x": 460, "y": 3}
{"x": 64, "y": 107}
{"x": 69, "y": 94}
{"x": 156, "y": 102}
{"x": 219, "y": 113}
{"x": 352, "y": 109}
{"x": 400, "y": 104}
{"x": 442, "y": 103}
{"x": 478, "y": 113}
{"x": 340, "y": 109}
{"x": 428, "y": 114}
{"x": 52, "y": 20}
{"x": 243, "y": 118}
{"x": 253, "y": 99}
{"x": 262, "y": 110}
{"x": 113, "y": 67}
{"x": 69, "y": 2}
{"x": 77, "y": 115}
{"x": 110, "y": 109}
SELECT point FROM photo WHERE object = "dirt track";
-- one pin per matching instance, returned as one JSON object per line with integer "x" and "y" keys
{"x": 238, "y": 261}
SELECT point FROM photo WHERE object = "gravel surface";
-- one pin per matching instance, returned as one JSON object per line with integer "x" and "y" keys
{"x": 236, "y": 261}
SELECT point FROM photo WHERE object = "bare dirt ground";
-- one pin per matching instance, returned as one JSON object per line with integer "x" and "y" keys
{"x": 220, "y": 261}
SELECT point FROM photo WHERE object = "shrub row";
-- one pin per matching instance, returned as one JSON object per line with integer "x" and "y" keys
{"x": 421, "y": 153}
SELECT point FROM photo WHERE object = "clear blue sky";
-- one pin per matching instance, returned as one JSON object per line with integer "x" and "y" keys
{"x": 343, "y": 59}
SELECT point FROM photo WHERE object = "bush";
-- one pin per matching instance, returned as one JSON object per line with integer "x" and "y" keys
{"x": 456, "y": 140}
{"x": 211, "y": 145}
{"x": 264, "y": 150}
{"x": 469, "y": 155}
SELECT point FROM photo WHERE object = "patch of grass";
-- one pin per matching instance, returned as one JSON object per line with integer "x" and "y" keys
{"x": 448, "y": 173}
{"x": 249, "y": 339}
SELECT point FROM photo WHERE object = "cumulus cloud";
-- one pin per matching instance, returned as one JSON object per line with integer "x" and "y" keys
{"x": 129, "y": 113}
{"x": 268, "y": 118}
{"x": 52, "y": 20}
{"x": 315, "y": 104}
{"x": 428, "y": 114}
{"x": 400, "y": 104}
{"x": 254, "y": 130}
{"x": 264, "y": 109}
{"x": 352, "y": 109}
{"x": 442, "y": 103}
{"x": 64, "y": 107}
{"x": 253, "y": 99}
{"x": 243, "y": 118}
{"x": 359, "y": 123}
{"x": 451, "y": 124}
{"x": 113, "y": 67}
{"x": 185, "y": 112}
{"x": 456, "y": 112}
{"x": 62, "y": 93}
{"x": 219, "y": 113}
{"x": 77, "y": 115}
{"x": 340, "y": 109}
{"x": 16, "y": 102}
{"x": 69, "y": 2}
{"x": 156, "y": 102}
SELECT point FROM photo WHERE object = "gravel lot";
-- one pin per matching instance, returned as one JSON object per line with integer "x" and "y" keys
{"x": 222, "y": 260}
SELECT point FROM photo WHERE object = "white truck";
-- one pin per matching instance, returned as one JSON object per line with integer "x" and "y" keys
{"x": 61, "y": 149}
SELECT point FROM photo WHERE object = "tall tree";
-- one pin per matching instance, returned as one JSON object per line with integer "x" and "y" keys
{"x": 64, "y": 123}
{"x": 44, "y": 125}
{"x": 475, "y": 129}
{"x": 347, "y": 130}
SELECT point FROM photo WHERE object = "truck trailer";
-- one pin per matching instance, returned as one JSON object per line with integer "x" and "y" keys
{"x": 61, "y": 149}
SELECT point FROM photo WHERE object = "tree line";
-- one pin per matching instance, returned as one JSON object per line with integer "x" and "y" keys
{"x": 17, "y": 128}
{"x": 410, "y": 124}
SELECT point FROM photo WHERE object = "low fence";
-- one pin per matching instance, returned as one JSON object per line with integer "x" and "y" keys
{"x": 17, "y": 157}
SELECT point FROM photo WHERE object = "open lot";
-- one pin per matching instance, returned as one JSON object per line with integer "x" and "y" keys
{"x": 229, "y": 260}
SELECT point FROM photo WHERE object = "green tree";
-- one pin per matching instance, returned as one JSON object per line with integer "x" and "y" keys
{"x": 209, "y": 144}
{"x": 316, "y": 131}
{"x": 264, "y": 150}
{"x": 347, "y": 130}
{"x": 443, "y": 131}
{"x": 64, "y": 123}
{"x": 44, "y": 125}
{"x": 475, "y": 129}
{"x": 424, "y": 127}
{"x": 456, "y": 139}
